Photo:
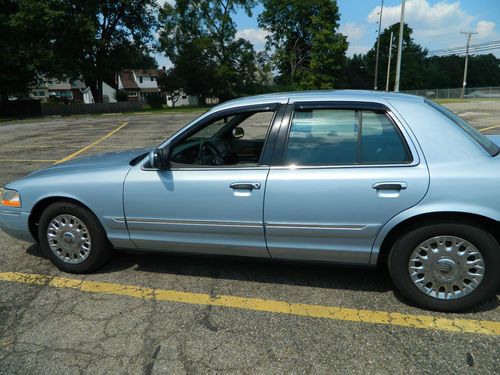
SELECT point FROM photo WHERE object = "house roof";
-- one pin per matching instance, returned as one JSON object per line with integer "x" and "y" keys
{"x": 146, "y": 72}
{"x": 150, "y": 89}
{"x": 128, "y": 81}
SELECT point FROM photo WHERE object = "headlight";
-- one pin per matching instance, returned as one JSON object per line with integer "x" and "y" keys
{"x": 10, "y": 198}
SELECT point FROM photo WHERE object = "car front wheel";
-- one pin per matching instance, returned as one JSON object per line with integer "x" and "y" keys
{"x": 446, "y": 266}
{"x": 72, "y": 238}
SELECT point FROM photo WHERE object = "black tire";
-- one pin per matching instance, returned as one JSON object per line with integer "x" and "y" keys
{"x": 486, "y": 244}
{"x": 101, "y": 249}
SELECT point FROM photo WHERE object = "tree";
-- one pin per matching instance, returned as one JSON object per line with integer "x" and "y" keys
{"x": 72, "y": 39}
{"x": 198, "y": 36}
{"x": 26, "y": 44}
{"x": 414, "y": 67}
{"x": 95, "y": 35}
{"x": 171, "y": 82}
{"x": 355, "y": 74}
{"x": 309, "y": 52}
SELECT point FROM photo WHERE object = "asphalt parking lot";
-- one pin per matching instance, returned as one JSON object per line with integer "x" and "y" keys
{"x": 165, "y": 314}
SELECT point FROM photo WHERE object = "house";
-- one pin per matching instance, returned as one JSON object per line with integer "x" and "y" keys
{"x": 77, "y": 88}
{"x": 70, "y": 91}
{"x": 51, "y": 88}
{"x": 147, "y": 80}
{"x": 127, "y": 81}
{"x": 184, "y": 100}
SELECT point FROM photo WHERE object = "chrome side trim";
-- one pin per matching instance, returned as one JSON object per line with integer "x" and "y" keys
{"x": 316, "y": 226}
{"x": 119, "y": 219}
{"x": 241, "y": 224}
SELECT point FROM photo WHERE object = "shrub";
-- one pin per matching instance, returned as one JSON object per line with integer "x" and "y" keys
{"x": 155, "y": 101}
{"x": 121, "y": 96}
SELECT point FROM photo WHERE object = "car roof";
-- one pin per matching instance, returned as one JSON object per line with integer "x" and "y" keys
{"x": 317, "y": 95}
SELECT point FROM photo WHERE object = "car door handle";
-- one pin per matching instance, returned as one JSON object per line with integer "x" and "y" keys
{"x": 245, "y": 185}
{"x": 390, "y": 186}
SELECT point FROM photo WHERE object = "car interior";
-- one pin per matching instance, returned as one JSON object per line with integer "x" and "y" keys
{"x": 330, "y": 137}
{"x": 231, "y": 140}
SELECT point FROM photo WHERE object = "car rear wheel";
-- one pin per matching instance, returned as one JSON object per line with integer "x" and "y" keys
{"x": 446, "y": 266}
{"x": 72, "y": 238}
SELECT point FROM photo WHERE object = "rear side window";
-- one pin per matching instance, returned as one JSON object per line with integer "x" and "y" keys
{"x": 482, "y": 140}
{"x": 343, "y": 137}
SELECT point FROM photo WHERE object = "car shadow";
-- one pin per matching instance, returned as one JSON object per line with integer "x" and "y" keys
{"x": 315, "y": 275}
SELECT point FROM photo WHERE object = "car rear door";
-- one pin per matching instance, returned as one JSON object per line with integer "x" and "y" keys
{"x": 341, "y": 170}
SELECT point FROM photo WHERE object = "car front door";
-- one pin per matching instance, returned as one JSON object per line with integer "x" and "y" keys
{"x": 210, "y": 199}
{"x": 344, "y": 169}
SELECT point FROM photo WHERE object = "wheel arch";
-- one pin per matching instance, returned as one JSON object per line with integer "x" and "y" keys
{"x": 42, "y": 204}
{"x": 489, "y": 224}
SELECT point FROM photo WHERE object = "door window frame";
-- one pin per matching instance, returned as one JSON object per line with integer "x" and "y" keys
{"x": 278, "y": 160}
{"x": 278, "y": 110}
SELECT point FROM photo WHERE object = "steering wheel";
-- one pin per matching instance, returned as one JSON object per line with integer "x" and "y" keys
{"x": 208, "y": 154}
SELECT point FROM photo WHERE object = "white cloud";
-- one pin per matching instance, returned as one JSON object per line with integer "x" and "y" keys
{"x": 256, "y": 36}
{"x": 485, "y": 29}
{"x": 353, "y": 31}
{"x": 439, "y": 25}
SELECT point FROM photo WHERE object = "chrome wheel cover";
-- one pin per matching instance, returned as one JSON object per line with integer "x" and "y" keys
{"x": 446, "y": 267}
{"x": 69, "y": 239}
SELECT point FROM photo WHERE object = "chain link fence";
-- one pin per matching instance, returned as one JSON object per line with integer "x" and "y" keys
{"x": 470, "y": 92}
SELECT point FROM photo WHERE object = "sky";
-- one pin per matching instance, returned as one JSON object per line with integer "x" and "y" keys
{"x": 436, "y": 24}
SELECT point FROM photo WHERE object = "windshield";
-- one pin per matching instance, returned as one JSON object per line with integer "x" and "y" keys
{"x": 471, "y": 131}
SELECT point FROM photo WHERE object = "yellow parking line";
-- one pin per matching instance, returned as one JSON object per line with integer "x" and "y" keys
{"x": 489, "y": 128}
{"x": 257, "y": 304}
{"x": 92, "y": 144}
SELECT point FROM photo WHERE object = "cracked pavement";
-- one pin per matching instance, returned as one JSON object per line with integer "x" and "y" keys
{"x": 49, "y": 330}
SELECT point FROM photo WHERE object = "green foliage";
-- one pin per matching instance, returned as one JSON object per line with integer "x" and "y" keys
{"x": 26, "y": 44}
{"x": 155, "y": 101}
{"x": 72, "y": 38}
{"x": 418, "y": 70}
{"x": 199, "y": 39}
{"x": 413, "y": 66}
{"x": 309, "y": 52}
{"x": 97, "y": 33}
{"x": 172, "y": 82}
{"x": 121, "y": 95}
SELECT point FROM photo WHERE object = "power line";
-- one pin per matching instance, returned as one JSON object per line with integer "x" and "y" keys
{"x": 464, "y": 50}
{"x": 492, "y": 43}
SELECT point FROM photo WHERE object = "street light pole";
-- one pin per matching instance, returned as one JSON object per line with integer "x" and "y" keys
{"x": 389, "y": 65}
{"x": 464, "y": 83}
{"x": 400, "y": 46}
{"x": 375, "y": 83}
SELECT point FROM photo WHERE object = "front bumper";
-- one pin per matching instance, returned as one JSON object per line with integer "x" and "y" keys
{"x": 15, "y": 224}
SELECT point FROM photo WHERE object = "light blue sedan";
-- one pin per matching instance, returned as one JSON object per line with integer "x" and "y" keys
{"x": 345, "y": 177}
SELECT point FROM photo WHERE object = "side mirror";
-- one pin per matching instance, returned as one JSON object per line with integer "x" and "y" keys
{"x": 238, "y": 132}
{"x": 158, "y": 158}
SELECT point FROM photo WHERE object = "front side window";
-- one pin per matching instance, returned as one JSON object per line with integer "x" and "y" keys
{"x": 344, "y": 137}
{"x": 230, "y": 140}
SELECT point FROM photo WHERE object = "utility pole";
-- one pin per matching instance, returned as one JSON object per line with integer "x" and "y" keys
{"x": 375, "y": 83}
{"x": 400, "y": 46}
{"x": 464, "y": 83}
{"x": 389, "y": 65}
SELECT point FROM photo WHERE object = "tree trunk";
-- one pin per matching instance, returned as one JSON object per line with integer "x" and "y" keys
{"x": 98, "y": 98}
{"x": 93, "y": 89}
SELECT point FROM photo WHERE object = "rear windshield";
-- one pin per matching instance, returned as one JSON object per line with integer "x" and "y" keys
{"x": 471, "y": 131}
